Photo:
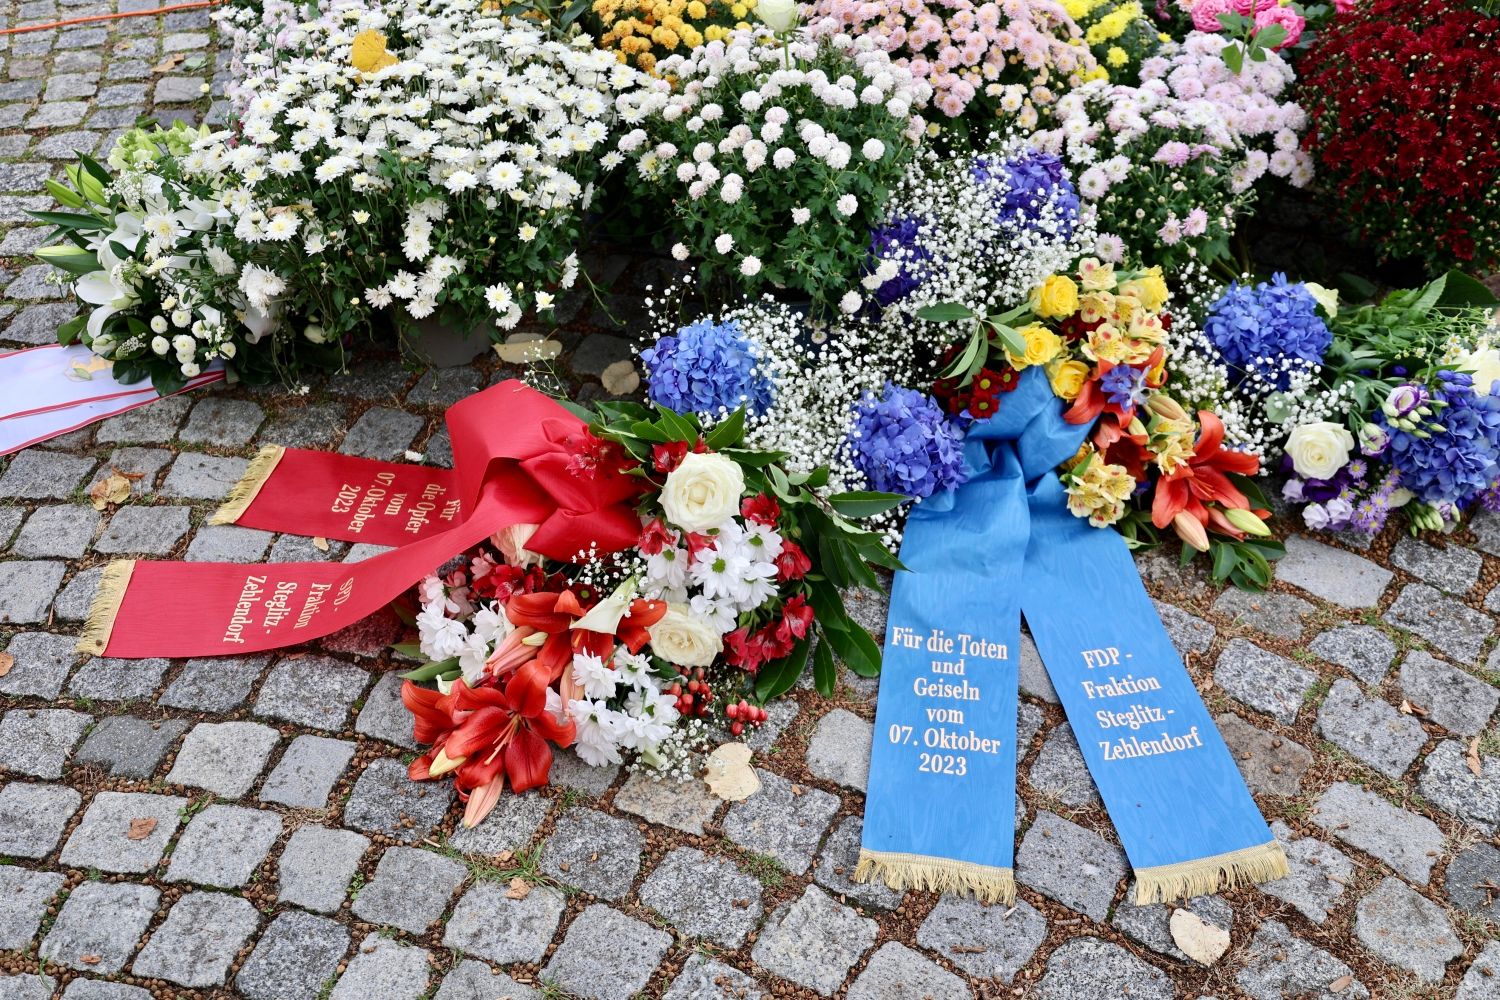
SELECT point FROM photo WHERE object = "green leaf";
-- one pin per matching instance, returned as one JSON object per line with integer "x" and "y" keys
{"x": 431, "y": 671}
{"x": 1011, "y": 338}
{"x": 728, "y": 432}
{"x": 69, "y": 331}
{"x": 866, "y": 503}
{"x": 857, "y": 650}
{"x": 1463, "y": 290}
{"x": 413, "y": 649}
{"x": 945, "y": 312}
{"x": 1431, "y": 293}
{"x": 68, "y": 220}
{"x": 780, "y": 676}
{"x": 825, "y": 676}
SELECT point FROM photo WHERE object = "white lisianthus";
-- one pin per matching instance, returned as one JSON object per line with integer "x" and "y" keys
{"x": 703, "y": 491}
{"x": 684, "y": 639}
{"x": 1320, "y": 450}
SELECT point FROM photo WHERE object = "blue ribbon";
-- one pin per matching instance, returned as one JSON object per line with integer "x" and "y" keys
{"x": 940, "y": 811}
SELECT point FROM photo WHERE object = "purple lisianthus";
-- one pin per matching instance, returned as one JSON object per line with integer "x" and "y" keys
{"x": 1276, "y": 320}
{"x": 903, "y": 442}
{"x": 1405, "y": 400}
{"x": 707, "y": 367}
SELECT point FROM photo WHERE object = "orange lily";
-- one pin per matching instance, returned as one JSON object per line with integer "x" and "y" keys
{"x": 1193, "y": 498}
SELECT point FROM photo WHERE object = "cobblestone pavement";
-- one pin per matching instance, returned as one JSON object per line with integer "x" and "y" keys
{"x": 217, "y": 828}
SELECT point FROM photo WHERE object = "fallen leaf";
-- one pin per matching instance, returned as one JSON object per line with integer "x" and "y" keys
{"x": 523, "y": 348}
{"x": 140, "y": 828}
{"x": 90, "y": 959}
{"x": 1340, "y": 984}
{"x": 519, "y": 889}
{"x": 730, "y": 775}
{"x": 320, "y": 543}
{"x": 6, "y": 662}
{"x": 1203, "y": 942}
{"x": 621, "y": 379}
{"x": 1412, "y": 708}
{"x": 1472, "y": 758}
{"x": 112, "y": 489}
{"x": 169, "y": 63}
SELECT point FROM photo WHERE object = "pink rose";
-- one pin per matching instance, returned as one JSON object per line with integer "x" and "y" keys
{"x": 1289, "y": 19}
{"x": 1206, "y": 14}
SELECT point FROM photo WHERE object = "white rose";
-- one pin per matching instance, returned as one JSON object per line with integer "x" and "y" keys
{"x": 684, "y": 639}
{"x": 1328, "y": 298}
{"x": 1319, "y": 450}
{"x": 1484, "y": 362}
{"x": 779, "y": 15}
{"x": 512, "y": 541}
{"x": 703, "y": 491}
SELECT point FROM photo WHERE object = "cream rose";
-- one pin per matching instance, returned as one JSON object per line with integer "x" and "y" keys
{"x": 1484, "y": 362}
{"x": 779, "y": 15}
{"x": 703, "y": 491}
{"x": 1319, "y": 450}
{"x": 684, "y": 639}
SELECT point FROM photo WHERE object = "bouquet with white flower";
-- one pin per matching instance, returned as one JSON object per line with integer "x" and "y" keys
{"x": 776, "y": 158}
{"x": 734, "y": 580}
{"x": 420, "y": 159}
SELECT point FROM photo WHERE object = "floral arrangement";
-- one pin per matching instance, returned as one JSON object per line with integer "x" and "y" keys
{"x": 643, "y": 31}
{"x": 1397, "y": 93}
{"x": 145, "y": 247}
{"x": 1118, "y": 32}
{"x": 756, "y": 139}
{"x": 733, "y": 584}
{"x": 1013, "y": 57}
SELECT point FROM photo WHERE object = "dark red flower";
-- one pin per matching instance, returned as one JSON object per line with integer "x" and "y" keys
{"x": 656, "y": 536}
{"x": 667, "y": 457}
{"x": 762, "y": 509}
{"x": 793, "y": 563}
{"x": 796, "y": 619}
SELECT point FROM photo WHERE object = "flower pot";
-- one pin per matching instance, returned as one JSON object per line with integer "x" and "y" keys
{"x": 442, "y": 344}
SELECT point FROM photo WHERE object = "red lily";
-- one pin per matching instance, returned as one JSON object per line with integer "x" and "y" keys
{"x": 486, "y": 736}
{"x": 1183, "y": 499}
{"x": 1091, "y": 402}
{"x": 555, "y": 615}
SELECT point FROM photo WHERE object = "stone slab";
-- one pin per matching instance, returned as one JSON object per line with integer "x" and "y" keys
{"x": 490, "y": 924}
{"x": 1407, "y": 842}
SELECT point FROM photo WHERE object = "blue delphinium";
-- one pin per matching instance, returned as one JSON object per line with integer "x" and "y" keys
{"x": 904, "y": 443}
{"x": 705, "y": 368}
{"x": 1459, "y": 463}
{"x": 1037, "y": 188}
{"x": 1124, "y": 386}
{"x": 899, "y": 240}
{"x": 1275, "y": 320}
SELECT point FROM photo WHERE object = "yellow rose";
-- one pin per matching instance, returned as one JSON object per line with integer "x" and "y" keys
{"x": 1067, "y": 378}
{"x": 1042, "y": 345}
{"x": 1056, "y": 298}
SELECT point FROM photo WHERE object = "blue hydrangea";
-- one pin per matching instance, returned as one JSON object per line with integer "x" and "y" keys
{"x": 1460, "y": 463}
{"x": 1277, "y": 320}
{"x": 904, "y": 443}
{"x": 705, "y": 368}
{"x": 1036, "y": 187}
{"x": 899, "y": 239}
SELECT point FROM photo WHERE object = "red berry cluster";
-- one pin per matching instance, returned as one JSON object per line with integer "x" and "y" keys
{"x": 695, "y": 697}
{"x": 744, "y": 712}
{"x": 1404, "y": 102}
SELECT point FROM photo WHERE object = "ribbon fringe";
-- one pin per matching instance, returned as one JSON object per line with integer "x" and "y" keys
{"x": 106, "y": 604}
{"x": 1247, "y": 866}
{"x": 986, "y": 883}
{"x": 245, "y": 491}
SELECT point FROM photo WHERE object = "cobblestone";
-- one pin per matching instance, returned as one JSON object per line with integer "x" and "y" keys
{"x": 307, "y": 771}
{"x": 203, "y": 477}
{"x": 1150, "y": 924}
{"x": 110, "y": 835}
{"x": 1407, "y": 842}
{"x": 1449, "y": 567}
{"x": 26, "y": 589}
{"x": 704, "y": 896}
{"x": 1279, "y": 964}
{"x": 384, "y": 717}
{"x": 108, "y": 679}
{"x": 144, "y": 531}
{"x": 37, "y": 741}
{"x": 24, "y": 896}
{"x": 228, "y": 543}
{"x": 42, "y": 662}
{"x": 1074, "y": 866}
{"x": 314, "y": 691}
{"x": 410, "y": 889}
{"x": 1455, "y": 700}
{"x": 317, "y": 865}
{"x": 987, "y": 942}
{"x": 224, "y": 422}
{"x": 510, "y": 826}
{"x": 295, "y": 956}
{"x": 618, "y": 972}
{"x": 1407, "y": 930}
{"x": 704, "y": 979}
{"x": 1363, "y": 650}
{"x": 33, "y": 817}
{"x": 215, "y": 683}
{"x": 782, "y": 821}
{"x": 1060, "y": 771}
{"x": 814, "y": 941}
{"x": 1318, "y": 874}
{"x": 1466, "y": 879}
{"x": 1269, "y": 763}
{"x": 1482, "y": 981}
{"x": 382, "y": 432}
{"x": 593, "y": 851}
{"x": 198, "y": 941}
{"x": 224, "y": 757}
{"x": 490, "y": 923}
{"x": 43, "y": 475}
{"x": 472, "y": 980}
{"x": 1447, "y": 781}
{"x": 1452, "y": 627}
{"x": 836, "y": 864}
{"x": 98, "y": 927}
{"x": 1370, "y": 729}
{"x": 1090, "y": 969}
{"x": 1264, "y": 681}
{"x": 223, "y": 846}
{"x": 1333, "y": 574}
{"x": 130, "y": 747}
{"x": 57, "y": 531}
{"x": 385, "y": 801}
{"x": 386, "y": 969}
{"x": 896, "y": 970}
{"x": 1278, "y": 615}
{"x": 840, "y": 749}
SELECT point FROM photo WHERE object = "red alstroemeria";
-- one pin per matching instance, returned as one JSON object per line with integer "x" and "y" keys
{"x": 796, "y": 620}
{"x": 669, "y": 456}
{"x": 762, "y": 509}
{"x": 656, "y": 536}
{"x": 487, "y": 736}
{"x": 1184, "y": 498}
{"x": 792, "y": 563}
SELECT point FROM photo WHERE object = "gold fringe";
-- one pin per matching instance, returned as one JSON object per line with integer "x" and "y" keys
{"x": 1247, "y": 866}
{"x": 101, "y": 620}
{"x": 246, "y": 490}
{"x": 988, "y": 884}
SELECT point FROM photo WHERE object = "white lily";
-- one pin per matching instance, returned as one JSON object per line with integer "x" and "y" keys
{"x": 605, "y": 616}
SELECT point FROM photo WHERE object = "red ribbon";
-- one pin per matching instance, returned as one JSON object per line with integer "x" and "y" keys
{"x": 514, "y": 462}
